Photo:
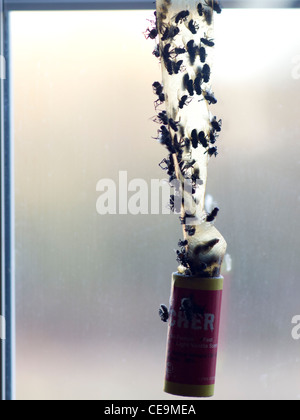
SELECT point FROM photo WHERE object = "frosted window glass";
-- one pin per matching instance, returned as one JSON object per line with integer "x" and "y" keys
{"x": 89, "y": 286}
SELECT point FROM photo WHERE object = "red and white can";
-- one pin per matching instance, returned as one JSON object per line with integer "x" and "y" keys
{"x": 193, "y": 334}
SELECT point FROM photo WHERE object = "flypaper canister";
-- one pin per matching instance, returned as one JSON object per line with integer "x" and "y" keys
{"x": 193, "y": 336}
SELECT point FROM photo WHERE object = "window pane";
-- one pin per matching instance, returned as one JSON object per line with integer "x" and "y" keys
{"x": 89, "y": 286}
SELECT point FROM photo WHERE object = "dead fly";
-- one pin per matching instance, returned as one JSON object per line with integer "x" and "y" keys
{"x": 171, "y": 167}
{"x": 166, "y": 53}
{"x": 211, "y": 217}
{"x": 206, "y": 73}
{"x": 164, "y": 137}
{"x": 182, "y": 133}
{"x": 212, "y": 137}
{"x": 182, "y": 244}
{"x": 188, "y": 84}
{"x": 184, "y": 101}
{"x": 181, "y": 17}
{"x": 208, "y": 15}
{"x": 156, "y": 51}
{"x": 194, "y": 139}
{"x": 169, "y": 67}
{"x": 164, "y": 32}
{"x": 158, "y": 90}
{"x": 193, "y": 27}
{"x": 162, "y": 118}
{"x": 189, "y": 164}
{"x": 173, "y": 204}
{"x": 177, "y": 66}
{"x": 186, "y": 165}
{"x": 196, "y": 174}
{"x": 190, "y": 230}
{"x": 200, "y": 9}
{"x": 203, "y": 55}
{"x": 210, "y": 98}
{"x": 170, "y": 32}
{"x": 151, "y": 33}
{"x": 216, "y": 125}
{"x": 198, "y": 82}
{"x": 173, "y": 124}
{"x": 196, "y": 179}
{"x": 207, "y": 42}
{"x": 182, "y": 258}
{"x": 168, "y": 165}
{"x": 159, "y": 101}
{"x": 173, "y": 31}
{"x": 202, "y": 139}
{"x": 215, "y": 5}
{"x": 178, "y": 148}
{"x": 187, "y": 143}
{"x": 178, "y": 50}
{"x": 164, "y": 134}
{"x": 192, "y": 51}
{"x": 163, "y": 313}
{"x": 213, "y": 151}
{"x": 173, "y": 67}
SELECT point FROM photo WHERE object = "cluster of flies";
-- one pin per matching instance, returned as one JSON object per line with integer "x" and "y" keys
{"x": 171, "y": 133}
{"x": 168, "y": 54}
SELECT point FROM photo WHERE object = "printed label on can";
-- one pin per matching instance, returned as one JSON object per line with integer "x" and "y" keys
{"x": 193, "y": 336}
